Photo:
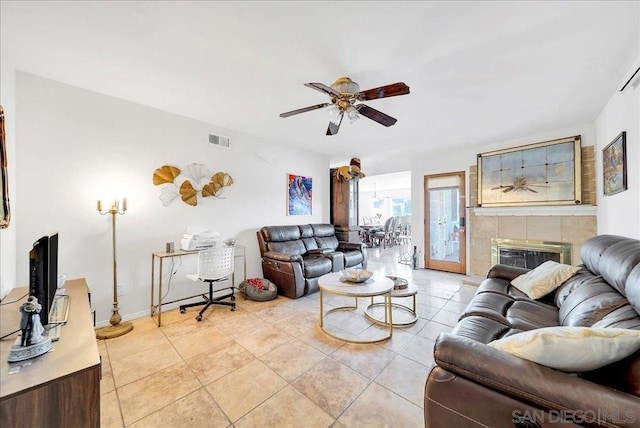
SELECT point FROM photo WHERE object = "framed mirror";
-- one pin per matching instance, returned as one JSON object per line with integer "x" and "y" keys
{"x": 5, "y": 215}
{"x": 546, "y": 173}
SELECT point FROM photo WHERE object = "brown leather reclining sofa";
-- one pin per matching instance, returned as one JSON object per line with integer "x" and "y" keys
{"x": 474, "y": 384}
{"x": 294, "y": 257}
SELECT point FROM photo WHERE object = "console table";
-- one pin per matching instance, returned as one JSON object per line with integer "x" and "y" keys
{"x": 156, "y": 302}
{"x": 62, "y": 387}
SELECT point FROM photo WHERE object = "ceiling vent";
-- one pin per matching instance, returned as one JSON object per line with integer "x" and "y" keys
{"x": 219, "y": 140}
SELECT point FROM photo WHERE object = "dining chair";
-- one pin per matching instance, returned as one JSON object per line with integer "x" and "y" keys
{"x": 380, "y": 236}
{"x": 214, "y": 267}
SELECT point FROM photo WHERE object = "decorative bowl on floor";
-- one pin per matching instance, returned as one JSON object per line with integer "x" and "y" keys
{"x": 355, "y": 275}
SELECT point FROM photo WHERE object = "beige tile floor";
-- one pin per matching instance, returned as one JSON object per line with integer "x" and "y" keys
{"x": 268, "y": 364}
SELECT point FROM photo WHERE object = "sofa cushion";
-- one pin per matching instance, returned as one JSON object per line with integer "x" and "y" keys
{"x": 330, "y": 242}
{"x": 623, "y": 317}
{"x": 306, "y": 231}
{"x": 490, "y": 305}
{"x": 280, "y": 233}
{"x": 544, "y": 279}
{"x": 500, "y": 286}
{"x": 633, "y": 288}
{"x": 583, "y": 278}
{"x": 310, "y": 244}
{"x": 618, "y": 261}
{"x": 592, "y": 250}
{"x": 323, "y": 230}
{"x": 480, "y": 329}
{"x": 526, "y": 314}
{"x": 588, "y": 302}
{"x": 572, "y": 349}
{"x": 316, "y": 265}
{"x": 613, "y": 257}
{"x": 353, "y": 258}
{"x": 294, "y": 248}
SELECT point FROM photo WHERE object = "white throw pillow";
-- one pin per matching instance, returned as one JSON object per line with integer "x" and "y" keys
{"x": 544, "y": 279}
{"x": 571, "y": 349}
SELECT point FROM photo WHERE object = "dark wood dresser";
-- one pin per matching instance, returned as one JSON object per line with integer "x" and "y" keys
{"x": 62, "y": 387}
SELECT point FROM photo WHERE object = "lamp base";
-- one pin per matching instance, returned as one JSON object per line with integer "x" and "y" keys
{"x": 112, "y": 331}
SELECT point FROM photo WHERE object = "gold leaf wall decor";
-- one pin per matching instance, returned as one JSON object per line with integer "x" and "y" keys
{"x": 210, "y": 189}
{"x": 188, "y": 194}
{"x": 165, "y": 174}
{"x": 192, "y": 183}
{"x": 218, "y": 181}
{"x": 222, "y": 178}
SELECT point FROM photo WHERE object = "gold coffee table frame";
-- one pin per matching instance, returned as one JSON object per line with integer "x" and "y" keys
{"x": 377, "y": 285}
{"x": 410, "y": 291}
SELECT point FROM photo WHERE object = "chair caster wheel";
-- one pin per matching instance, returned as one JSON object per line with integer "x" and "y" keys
{"x": 233, "y": 308}
{"x": 183, "y": 310}
{"x": 199, "y": 318}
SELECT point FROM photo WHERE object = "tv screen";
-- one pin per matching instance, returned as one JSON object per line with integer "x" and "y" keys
{"x": 43, "y": 273}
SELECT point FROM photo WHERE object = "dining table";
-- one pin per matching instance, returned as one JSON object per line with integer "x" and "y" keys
{"x": 365, "y": 234}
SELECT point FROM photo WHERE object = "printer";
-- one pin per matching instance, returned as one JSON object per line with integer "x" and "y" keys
{"x": 200, "y": 240}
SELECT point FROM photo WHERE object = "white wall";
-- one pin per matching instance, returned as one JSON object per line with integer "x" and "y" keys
{"x": 7, "y": 100}
{"x": 619, "y": 214}
{"x": 75, "y": 146}
{"x": 443, "y": 161}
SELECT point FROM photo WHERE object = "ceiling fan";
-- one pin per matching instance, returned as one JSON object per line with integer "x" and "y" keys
{"x": 344, "y": 93}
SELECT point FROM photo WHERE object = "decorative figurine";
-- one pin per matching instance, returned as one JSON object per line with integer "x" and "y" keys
{"x": 31, "y": 342}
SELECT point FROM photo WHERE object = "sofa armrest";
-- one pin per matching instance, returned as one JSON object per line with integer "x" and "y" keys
{"x": 322, "y": 251}
{"x": 508, "y": 273}
{"x": 540, "y": 385}
{"x": 343, "y": 245}
{"x": 282, "y": 257}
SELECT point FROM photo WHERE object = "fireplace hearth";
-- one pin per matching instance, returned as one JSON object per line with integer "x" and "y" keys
{"x": 527, "y": 253}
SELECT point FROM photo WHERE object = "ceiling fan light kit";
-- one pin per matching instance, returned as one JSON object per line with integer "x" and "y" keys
{"x": 344, "y": 85}
{"x": 352, "y": 113}
{"x": 344, "y": 94}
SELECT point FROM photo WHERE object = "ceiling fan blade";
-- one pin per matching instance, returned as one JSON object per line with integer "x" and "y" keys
{"x": 324, "y": 89}
{"x": 333, "y": 128}
{"x": 376, "y": 115}
{"x": 304, "y": 109}
{"x": 387, "y": 91}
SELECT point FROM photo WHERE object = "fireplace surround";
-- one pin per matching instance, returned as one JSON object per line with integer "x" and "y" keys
{"x": 528, "y": 253}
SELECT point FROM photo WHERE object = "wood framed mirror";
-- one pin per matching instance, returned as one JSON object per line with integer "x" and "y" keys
{"x": 5, "y": 215}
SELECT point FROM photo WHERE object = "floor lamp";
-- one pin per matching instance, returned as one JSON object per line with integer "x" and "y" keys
{"x": 116, "y": 328}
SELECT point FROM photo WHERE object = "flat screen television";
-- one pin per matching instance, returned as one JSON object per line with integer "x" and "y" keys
{"x": 43, "y": 273}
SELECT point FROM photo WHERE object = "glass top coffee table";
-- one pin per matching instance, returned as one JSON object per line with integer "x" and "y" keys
{"x": 377, "y": 285}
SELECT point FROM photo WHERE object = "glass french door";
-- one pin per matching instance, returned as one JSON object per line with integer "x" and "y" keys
{"x": 445, "y": 231}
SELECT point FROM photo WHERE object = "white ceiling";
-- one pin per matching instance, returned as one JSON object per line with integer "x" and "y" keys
{"x": 479, "y": 72}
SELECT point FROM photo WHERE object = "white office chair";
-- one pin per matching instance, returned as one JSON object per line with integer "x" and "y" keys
{"x": 214, "y": 266}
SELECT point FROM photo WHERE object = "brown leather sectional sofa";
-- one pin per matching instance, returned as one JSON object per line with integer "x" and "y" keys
{"x": 294, "y": 257}
{"x": 474, "y": 384}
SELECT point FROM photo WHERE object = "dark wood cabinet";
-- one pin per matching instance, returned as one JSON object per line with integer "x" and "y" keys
{"x": 62, "y": 387}
{"x": 344, "y": 207}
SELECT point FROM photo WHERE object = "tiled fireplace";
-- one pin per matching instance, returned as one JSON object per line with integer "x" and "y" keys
{"x": 569, "y": 225}
{"x": 528, "y": 254}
